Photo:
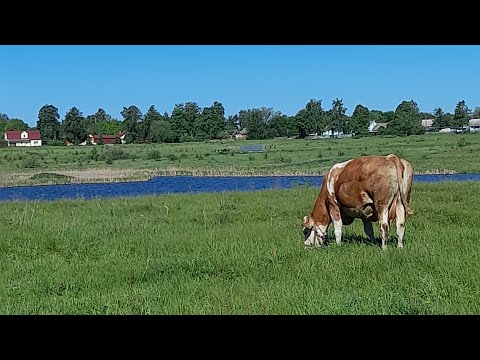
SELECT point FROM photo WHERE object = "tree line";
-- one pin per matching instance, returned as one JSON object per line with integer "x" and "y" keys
{"x": 189, "y": 122}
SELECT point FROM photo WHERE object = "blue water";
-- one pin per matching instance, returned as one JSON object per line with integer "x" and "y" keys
{"x": 182, "y": 184}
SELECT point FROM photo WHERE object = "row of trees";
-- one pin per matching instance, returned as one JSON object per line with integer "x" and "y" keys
{"x": 189, "y": 122}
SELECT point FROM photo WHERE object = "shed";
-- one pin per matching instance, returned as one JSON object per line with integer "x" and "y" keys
{"x": 259, "y": 148}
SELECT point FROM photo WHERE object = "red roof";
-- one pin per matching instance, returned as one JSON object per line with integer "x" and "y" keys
{"x": 15, "y": 135}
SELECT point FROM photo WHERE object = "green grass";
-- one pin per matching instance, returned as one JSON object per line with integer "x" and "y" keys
{"x": 427, "y": 153}
{"x": 235, "y": 253}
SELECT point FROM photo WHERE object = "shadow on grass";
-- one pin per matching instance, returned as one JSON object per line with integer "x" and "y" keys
{"x": 355, "y": 239}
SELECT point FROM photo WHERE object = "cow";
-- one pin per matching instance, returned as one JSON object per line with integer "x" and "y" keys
{"x": 371, "y": 188}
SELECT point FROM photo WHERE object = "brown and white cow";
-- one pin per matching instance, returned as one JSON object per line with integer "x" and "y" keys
{"x": 371, "y": 188}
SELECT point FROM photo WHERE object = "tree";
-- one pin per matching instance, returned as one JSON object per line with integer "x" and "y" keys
{"x": 183, "y": 120}
{"x": 310, "y": 119}
{"x": 132, "y": 116}
{"x": 360, "y": 120}
{"x": 74, "y": 127}
{"x": 377, "y": 116}
{"x": 231, "y": 124}
{"x": 283, "y": 125}
{"x": 338, "y": 119}
{"x": 211, "y": 124}
{"x": 161, "y": 131}
{"x": 16, "y": 124}
{"x": 252, "y": 121}
{"x": 48, "y": 123}
{"x": 441, "y": 119}
{"x": 461, "y": 114}
{"x": 476, "y": 113}
{"x": 150, "y": 117}
{"x": 407, "y": 120}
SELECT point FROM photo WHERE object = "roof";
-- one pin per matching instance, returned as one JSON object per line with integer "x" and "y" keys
{"x": 253, "y": 148}
{"x": 379, "y": 125}
{"x": 15, "y": 135}
{"x": 427, "y": 122}
{"x": 474, "y": 122}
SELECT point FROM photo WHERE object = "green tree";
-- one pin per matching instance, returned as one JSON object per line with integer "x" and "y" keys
{"x": 3, "y": 122}
{"x": 311, "y": 119}
{"x": 183, "y": 120}
{"x": 476, "y": 113}
{"x": 441, "y": 119}
{"x": 407, "y": 120}
{"x": 132, "y": 116}
{"x": 252, "y": 121}
{"x": 74, "y": 127}
{"x": 150, "y": 117}
{"x": 211, "y": 123}
{"x": 48, "y": 123}
{"x": 283, "y": 125}
{"x": 388, "y": 116}
{"x": 461, "y": 114}
{"x": 377, "y": 116}
{"x": 16, "y": 124}
{"x": 231, "y": 124}
{"x": 360, "y": 120}
{"x": 338, "y": 119}
{"x": 161, "y": 131}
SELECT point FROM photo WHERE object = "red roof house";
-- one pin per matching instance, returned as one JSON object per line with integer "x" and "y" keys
{"x": 23, "y": 138}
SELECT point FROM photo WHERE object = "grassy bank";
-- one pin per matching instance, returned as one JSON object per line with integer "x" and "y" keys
{"x": 438, "y": 153}
{"x": 235, "y": 253}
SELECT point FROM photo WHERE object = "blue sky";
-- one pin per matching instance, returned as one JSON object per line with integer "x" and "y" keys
{"x": 283, "y": 77}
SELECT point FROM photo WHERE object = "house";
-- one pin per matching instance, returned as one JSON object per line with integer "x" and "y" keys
{"x": 474, "y": 124}
{"x": 23, "y": 138}
{"x": 241, "y": 135}
{"x": 375, "y": 127}
{"x": 107, "y": 139}
{"x": 427, "y": 123}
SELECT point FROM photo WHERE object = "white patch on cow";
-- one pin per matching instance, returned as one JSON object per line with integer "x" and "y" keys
{"x": 331, "y": 179}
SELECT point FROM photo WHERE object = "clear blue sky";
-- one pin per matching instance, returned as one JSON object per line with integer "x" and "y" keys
{"x": 283, "y": 77}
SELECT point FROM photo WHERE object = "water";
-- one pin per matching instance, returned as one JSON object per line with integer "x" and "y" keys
{"x": 182, "y": 184}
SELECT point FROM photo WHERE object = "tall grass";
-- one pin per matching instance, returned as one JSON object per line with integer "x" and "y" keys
{"x": 235, "y": 253}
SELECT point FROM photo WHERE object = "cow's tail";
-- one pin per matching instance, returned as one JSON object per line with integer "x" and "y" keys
{"x": 401, "y": 184}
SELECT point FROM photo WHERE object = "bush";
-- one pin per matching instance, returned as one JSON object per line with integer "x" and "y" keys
{"x": 153, "y": 155}
{"x": 29, "y": 162}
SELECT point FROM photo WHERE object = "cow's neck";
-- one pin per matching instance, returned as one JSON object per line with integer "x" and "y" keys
{"x": 320, "y": 213}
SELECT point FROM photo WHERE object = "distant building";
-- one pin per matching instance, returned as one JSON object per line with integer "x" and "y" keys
{"x": 241, "y": 135}
{"x": 474, "y": 124}
{"x": 107, "y": 139}
{"x": 253, "y": 148}
{"x": 23, "y": 138}
{"x": 427, "y": 123}
{"x": 375, "y": 127}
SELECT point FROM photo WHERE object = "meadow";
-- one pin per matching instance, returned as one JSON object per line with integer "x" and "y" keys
{"x": 430, "y": 153}
{"x": 239, "y": 253}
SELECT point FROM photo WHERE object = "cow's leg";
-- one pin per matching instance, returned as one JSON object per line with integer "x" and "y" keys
{"x": 337, "y": 223}
{"x": 383, "y": 222}
{"x": 368, "y": 228}
{"x": 400, "y": 220}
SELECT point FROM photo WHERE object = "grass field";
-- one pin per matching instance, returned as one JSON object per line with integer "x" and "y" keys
{"x": 235, "y": 253}
{"x": 433, "y": 153}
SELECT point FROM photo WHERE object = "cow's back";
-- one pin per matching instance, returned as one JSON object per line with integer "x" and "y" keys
{"x": 363, "y": 185}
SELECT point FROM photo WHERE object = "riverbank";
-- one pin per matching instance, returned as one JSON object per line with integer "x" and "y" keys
{"x": 428, "y": 154}
{"x": 112, "y": 175}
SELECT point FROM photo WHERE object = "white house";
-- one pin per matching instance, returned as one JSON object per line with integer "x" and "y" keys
{"x": 23, "y": 138}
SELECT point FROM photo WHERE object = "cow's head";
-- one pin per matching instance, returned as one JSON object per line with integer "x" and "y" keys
{"x": 314, "y": 233}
